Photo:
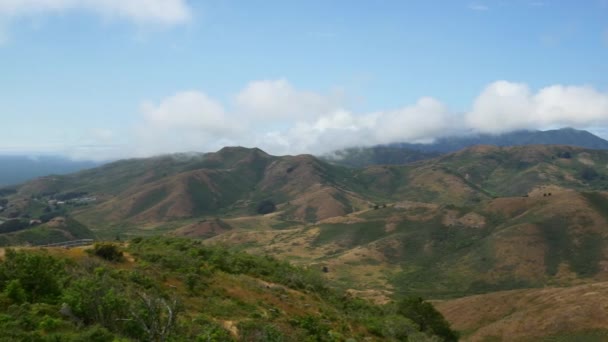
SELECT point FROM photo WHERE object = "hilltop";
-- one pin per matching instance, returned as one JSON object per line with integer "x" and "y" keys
{"x": 564, "y": 136}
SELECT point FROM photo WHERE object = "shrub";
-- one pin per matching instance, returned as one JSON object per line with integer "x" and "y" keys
{"x": 313, "y": 326}
{"x": 40, "y": 276}
{"x": 49, "y": 323}
{"x": 15, "y": 292}
{"x": 427, "y": 317}
{"x": 108, "y": 251}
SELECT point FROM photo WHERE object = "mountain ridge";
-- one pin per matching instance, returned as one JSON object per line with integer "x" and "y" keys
{"x": 403, "y": 153}
{"x": 416, "y": 228}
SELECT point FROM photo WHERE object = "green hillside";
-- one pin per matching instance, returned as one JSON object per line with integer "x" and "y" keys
{"x": 178, "y": 290}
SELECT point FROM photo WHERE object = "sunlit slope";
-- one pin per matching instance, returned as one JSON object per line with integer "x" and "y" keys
{"x": 446, "y": 251}
{"x": 232, "y": 182}
{"x": 577, "y": 313}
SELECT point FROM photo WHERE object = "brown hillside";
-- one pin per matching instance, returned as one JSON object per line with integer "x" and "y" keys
{"x": 526, "y": 315}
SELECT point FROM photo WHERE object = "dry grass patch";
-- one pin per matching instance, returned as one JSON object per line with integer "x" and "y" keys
{"x": 526, "y": 314}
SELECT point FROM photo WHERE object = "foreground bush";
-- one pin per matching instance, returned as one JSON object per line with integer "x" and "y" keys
{"x": 181, "y": 290}
{"x": 108, "y": 251}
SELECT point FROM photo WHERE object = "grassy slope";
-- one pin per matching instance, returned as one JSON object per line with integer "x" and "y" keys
{"x": 219, "y": 293}
{"x": 556, "y": 314}
{"x": 448, "y": 251}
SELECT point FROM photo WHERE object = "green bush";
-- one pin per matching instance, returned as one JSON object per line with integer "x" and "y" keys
{"x": 15, "y": 292}
{"x": 108, "y": 251}
{"x": 427, "y": 317}
{"x": 315, "y": 329}
{"x": 40, "y": 276}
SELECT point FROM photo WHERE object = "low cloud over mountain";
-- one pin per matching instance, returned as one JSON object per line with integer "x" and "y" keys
{"x": 282, "y": 119}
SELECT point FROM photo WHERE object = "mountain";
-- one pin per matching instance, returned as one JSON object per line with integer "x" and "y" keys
{"x": 234, "y": 181}
{"x": 479, "y": 220}
{"x": 564, "y": 136}
{"x": 18, "y": 169}
{"x": 403, "y": 153}
{"x": 463, "y": 213}
{"x": 476, "y": 221}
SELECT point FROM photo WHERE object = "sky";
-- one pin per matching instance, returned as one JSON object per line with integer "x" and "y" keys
{"x": 107, "y": 79}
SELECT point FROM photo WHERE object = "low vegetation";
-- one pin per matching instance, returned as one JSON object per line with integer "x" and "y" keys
{"x": 176, "y": 290}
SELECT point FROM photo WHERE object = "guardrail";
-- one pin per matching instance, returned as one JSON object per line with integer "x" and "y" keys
{"x": 73, "y": 243}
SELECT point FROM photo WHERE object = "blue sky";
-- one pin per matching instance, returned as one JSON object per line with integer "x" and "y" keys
{"x": 108, "y": 78}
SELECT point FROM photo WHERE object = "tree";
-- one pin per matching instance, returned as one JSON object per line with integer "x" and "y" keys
{"x": 427, "y": 317}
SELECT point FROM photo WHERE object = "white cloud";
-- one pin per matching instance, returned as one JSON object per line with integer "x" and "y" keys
{"x": 192, "y": 121}
{"x": 168, "y": 12}
{"x": 189, "y": 109}
{"x": 505, "y": 106}
{"x": 278, "y": 99}
{"x": 186, "y": 121}
{"x": 423, "y": 121}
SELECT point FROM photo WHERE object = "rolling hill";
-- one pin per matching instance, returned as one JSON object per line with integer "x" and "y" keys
{"x": 481, "y": 219}
{"x": 476, "y": 221}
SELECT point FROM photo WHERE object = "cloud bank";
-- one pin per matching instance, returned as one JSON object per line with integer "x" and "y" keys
{"x": 168, "y": 12}
{"x": 281, "y": 119}
{"x": 505, "y": 106}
